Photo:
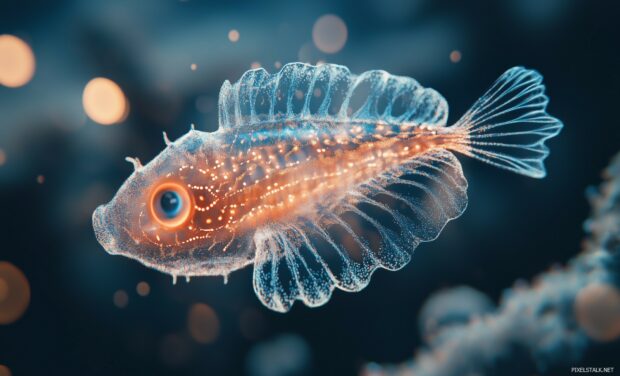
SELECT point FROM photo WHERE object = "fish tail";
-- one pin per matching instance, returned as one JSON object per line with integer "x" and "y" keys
{"x": 508, "y": 126}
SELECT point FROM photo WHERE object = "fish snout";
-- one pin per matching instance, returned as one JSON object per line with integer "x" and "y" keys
{"x": 104, "y": 230}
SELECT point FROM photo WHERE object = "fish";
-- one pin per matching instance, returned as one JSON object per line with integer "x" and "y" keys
{"x": 318, "y": 177}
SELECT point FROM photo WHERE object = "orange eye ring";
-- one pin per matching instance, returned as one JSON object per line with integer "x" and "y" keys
{"x": 180, "y": 197}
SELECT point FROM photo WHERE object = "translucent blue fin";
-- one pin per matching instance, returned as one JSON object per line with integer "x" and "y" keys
{"x": 508, "y": 126}
{"x": 378, "y": 224}
{"x": 326, "y": 95}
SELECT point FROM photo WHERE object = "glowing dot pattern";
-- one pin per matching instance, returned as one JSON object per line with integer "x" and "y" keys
{"x": 302, "y": 150}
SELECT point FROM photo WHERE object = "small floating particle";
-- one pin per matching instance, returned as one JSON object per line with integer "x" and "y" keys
{"x": 143, "y": 289}
{"x": 121, "y": 299}
{"x": 203, "y": 324}
{"x": 455, "y": 56}
{"x": 40, "y": 179}
{"x": 193, "y": 66}
{"x": 233, "y": 35}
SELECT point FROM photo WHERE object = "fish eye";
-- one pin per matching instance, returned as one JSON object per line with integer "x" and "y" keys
{"x": 170, "y": 204}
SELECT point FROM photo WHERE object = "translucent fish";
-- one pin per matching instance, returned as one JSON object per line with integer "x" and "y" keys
{"x": 318, "y": 177}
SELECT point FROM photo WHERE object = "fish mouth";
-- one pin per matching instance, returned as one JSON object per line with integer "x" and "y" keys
{"x": 105, "y": 231}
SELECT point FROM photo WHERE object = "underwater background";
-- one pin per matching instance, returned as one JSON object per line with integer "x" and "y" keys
{"x": 69, "y": 308}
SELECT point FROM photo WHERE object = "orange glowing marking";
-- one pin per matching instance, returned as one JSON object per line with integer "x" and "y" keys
{"x": 253, "y": 190}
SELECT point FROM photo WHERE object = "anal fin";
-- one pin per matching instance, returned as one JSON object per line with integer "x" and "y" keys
{"x": 377, "y": 224}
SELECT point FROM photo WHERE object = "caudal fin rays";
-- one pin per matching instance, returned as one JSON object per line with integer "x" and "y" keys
{"x": 508, "y": 126}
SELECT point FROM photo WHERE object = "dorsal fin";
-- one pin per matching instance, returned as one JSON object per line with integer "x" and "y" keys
{"x": 327, "y": 94}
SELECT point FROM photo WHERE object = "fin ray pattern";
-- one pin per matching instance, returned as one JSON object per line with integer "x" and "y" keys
{"x": 376, "y": 225}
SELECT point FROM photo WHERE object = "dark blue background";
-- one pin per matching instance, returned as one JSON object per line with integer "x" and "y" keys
{"x": 514, "y": 228}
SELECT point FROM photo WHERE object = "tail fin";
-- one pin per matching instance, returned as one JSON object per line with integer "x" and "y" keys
{"x": 508, "y": 126}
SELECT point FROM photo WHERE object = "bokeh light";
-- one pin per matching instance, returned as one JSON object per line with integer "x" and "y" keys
{"x": 14, "y": 293}
{"x": 308, "y": 53}
{"x": 252, "y": 323}
{"x": 17, "y": 63}
{"x": 597, "y": 308}
{"x": 4, "y": 289}
{"x": 143, "y": 289}
{"x": 5, "y": 371}
{"x": 203, "y": 324}
{"x": 40, "y": 179}
{"x": 104, "y": 101}
{"x": 175, "y": 350}
{"x": 329, "y": 33}
{"x": 287, "y": 354}
{"x": 147, "y": 49}
{"x": 233, "y": 35}
{"x": 455, "y": 56}
{"x": 451, "y": 307}
{"x": 120, "y": 299}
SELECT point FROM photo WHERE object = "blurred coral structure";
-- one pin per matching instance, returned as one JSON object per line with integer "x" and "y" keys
{"x": 545, "y": 326}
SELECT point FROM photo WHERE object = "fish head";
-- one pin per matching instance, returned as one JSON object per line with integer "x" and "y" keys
{"x": 157, "y": 215}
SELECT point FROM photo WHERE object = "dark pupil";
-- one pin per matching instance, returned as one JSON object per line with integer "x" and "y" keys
{"x": 170, "y": 204}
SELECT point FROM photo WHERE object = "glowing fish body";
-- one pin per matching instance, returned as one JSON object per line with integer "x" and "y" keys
{"x": 318, "y": 177}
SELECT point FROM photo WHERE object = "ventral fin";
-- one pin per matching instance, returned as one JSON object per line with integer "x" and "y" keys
{"x": 376, "y": 225}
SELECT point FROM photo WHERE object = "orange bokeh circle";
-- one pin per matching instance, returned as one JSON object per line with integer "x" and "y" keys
{"x": 157, "y": 213}
{"x": 14, "y": 293}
